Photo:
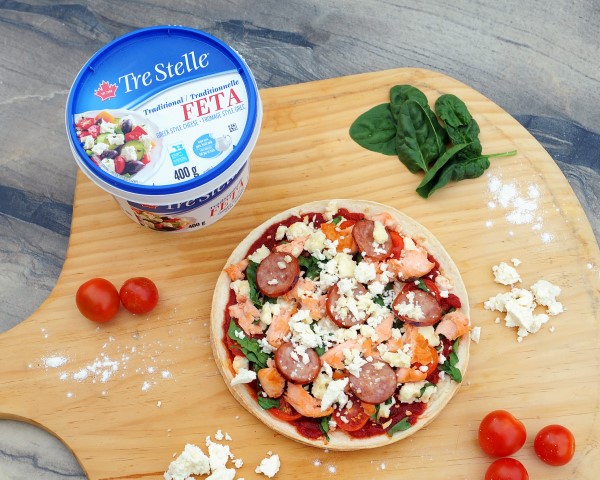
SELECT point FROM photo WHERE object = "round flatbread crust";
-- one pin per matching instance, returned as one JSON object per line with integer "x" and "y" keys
{"x": 338, "y": 440}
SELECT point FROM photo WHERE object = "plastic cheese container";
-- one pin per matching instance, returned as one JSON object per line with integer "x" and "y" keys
{"x": 165, "y": 120}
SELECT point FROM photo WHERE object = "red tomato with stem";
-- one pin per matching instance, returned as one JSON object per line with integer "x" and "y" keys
{"x": 506, "y": 469}
{"x": 139, "y": 295}
{"x": 98, "y": 300}
{"x": 501, "y": 434}
{"x": 555, "y": 445}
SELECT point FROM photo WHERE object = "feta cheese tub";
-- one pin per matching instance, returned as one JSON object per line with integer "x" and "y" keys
{"x": 165, "y": 119}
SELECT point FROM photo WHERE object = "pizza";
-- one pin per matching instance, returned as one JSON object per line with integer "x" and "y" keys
{"x": 341, "y": 324}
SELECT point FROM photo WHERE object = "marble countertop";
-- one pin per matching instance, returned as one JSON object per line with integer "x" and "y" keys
{"x": 538, "y": 61}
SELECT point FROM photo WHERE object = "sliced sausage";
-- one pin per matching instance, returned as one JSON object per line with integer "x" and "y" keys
{"x": 343, "y": 317}
{"x": 375, "y": 384}
{"x": 295, "y": 367}
{"x": 277, "y": 274}
{"x": 431, "y": 310}
{"x": 363, "y": 236}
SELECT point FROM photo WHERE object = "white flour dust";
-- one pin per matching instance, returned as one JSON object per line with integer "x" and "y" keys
{"x": 130, "y": 356}
{"x": 520, "y": 204}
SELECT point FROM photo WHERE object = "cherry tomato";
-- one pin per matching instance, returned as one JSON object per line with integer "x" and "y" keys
{"x": 555, "y": 445}
{"x": 119, "y": 164}
{"x": 506, "y": 469}
{"x": 285, "y": 411}
{"x": 98, "y": 300}
{"x": 501, "y": 434}
{"x": 351, "y": 419}
{"x": 397, "y": 244}
{"x": 139, "y": 295}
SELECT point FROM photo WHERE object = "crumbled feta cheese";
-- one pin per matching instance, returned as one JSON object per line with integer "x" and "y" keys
{"x": 545, "y": 294}
{"x": 128, "y": 153}
{"x": 192, "y": 461}
{"x": 116, "y": 139}
{"x": 243, "y": 376}
{"x": 101, "y": 147}
{"x": 269, "y": 466}
{"x": 380, "y": 234}
{"x": 239, "y": 363}
{"x": 88, "y": 142}
{"x": 505, "y": 274}
{"x": 396, "y": 359}
{"x": 515, "y": 261}
{"x": 365, "y": 272}
{"x": 334, "y": 393}
{"x": 107, "y": 127}
{"x": 298, "y": 230}
{"x": 345, "y": 265}
{"x": 241, "y": 288}
{"x": 281, "y": 231}
{"x": 476, "y": 334}
{"x": 353, "y": 361}
{"x": 385, "y": 408}
{"x": 260, "y": 254}
{"x": 409, "y": 244}
{"x": 410, "y": 392}
{"x": 429, "y": 333}
{"x": 410, "y": 309}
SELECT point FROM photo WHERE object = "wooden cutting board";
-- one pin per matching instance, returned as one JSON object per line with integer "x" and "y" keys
{"x": 128, "y": 395}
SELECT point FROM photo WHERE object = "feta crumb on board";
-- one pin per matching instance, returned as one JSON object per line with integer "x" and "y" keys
{"x": 519, "y": 304}
{"x": 193, "y": 461}
{"x": 269, "y": 466}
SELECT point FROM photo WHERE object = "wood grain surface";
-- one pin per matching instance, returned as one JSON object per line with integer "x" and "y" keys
{"x": 127, "y": 395}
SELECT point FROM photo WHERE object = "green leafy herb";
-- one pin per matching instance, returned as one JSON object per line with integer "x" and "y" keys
{"x": 447, "y": 151}
{"x": 378, "y": 299}
{"x": 375, "y": 130}
{"x": 424, "y": 387}
{"x": 418, "y": 143}
{"x": 249, "y": 346}
{"x": 375, "y": 413}
{"x": 324, "y": 426}
{"x": 337, "y": 220}
{"x": 449, "y": 366}
{"x": 251, "y": 277}
{"x": 421, "y": 285}
{"x": 310, "y": 265}
{"x": 400, "y": 426}
{"x": 267, "y": 403}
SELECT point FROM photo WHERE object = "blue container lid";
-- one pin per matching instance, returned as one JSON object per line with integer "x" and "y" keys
{"x": 162, "y": 110}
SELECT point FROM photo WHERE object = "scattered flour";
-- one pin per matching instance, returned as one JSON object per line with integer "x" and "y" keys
{"x": 521, "y": 204}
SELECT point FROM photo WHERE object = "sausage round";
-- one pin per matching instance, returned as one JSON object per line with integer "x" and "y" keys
{"x": 375, "y": 384}
{"x": 277, "y": 274}
{"x": 349, "y": 320}
{"x": 363, "y": 236}
{"x": 432, "y": 310}
{"x": 292, "y": 367}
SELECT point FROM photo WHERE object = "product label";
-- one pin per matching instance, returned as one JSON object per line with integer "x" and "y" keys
{"x": 193, "y": 214}
{"x": 163, "y": 115}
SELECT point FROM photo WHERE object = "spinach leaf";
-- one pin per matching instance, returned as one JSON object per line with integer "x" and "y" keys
{"x": 400, "y": 426}
{"x": 268, "y": 403}
{"x": 251, "y": 277}
{"x": 449, "y": 366}
{"x": 400, "y": 94}
{"x": 310, "y": 265}
{"x": 337, "y": 220}
{"x": 249, "y": 346}
{"x": 375, "y": 130}
{"x": 435, "y": 178}
{"x": 455, "y": 165}
{"x": 324, "y": 426}
{"x": 418, "y": 143}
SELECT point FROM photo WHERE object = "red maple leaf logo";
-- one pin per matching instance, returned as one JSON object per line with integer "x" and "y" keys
{"x": 106, "y": 90}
